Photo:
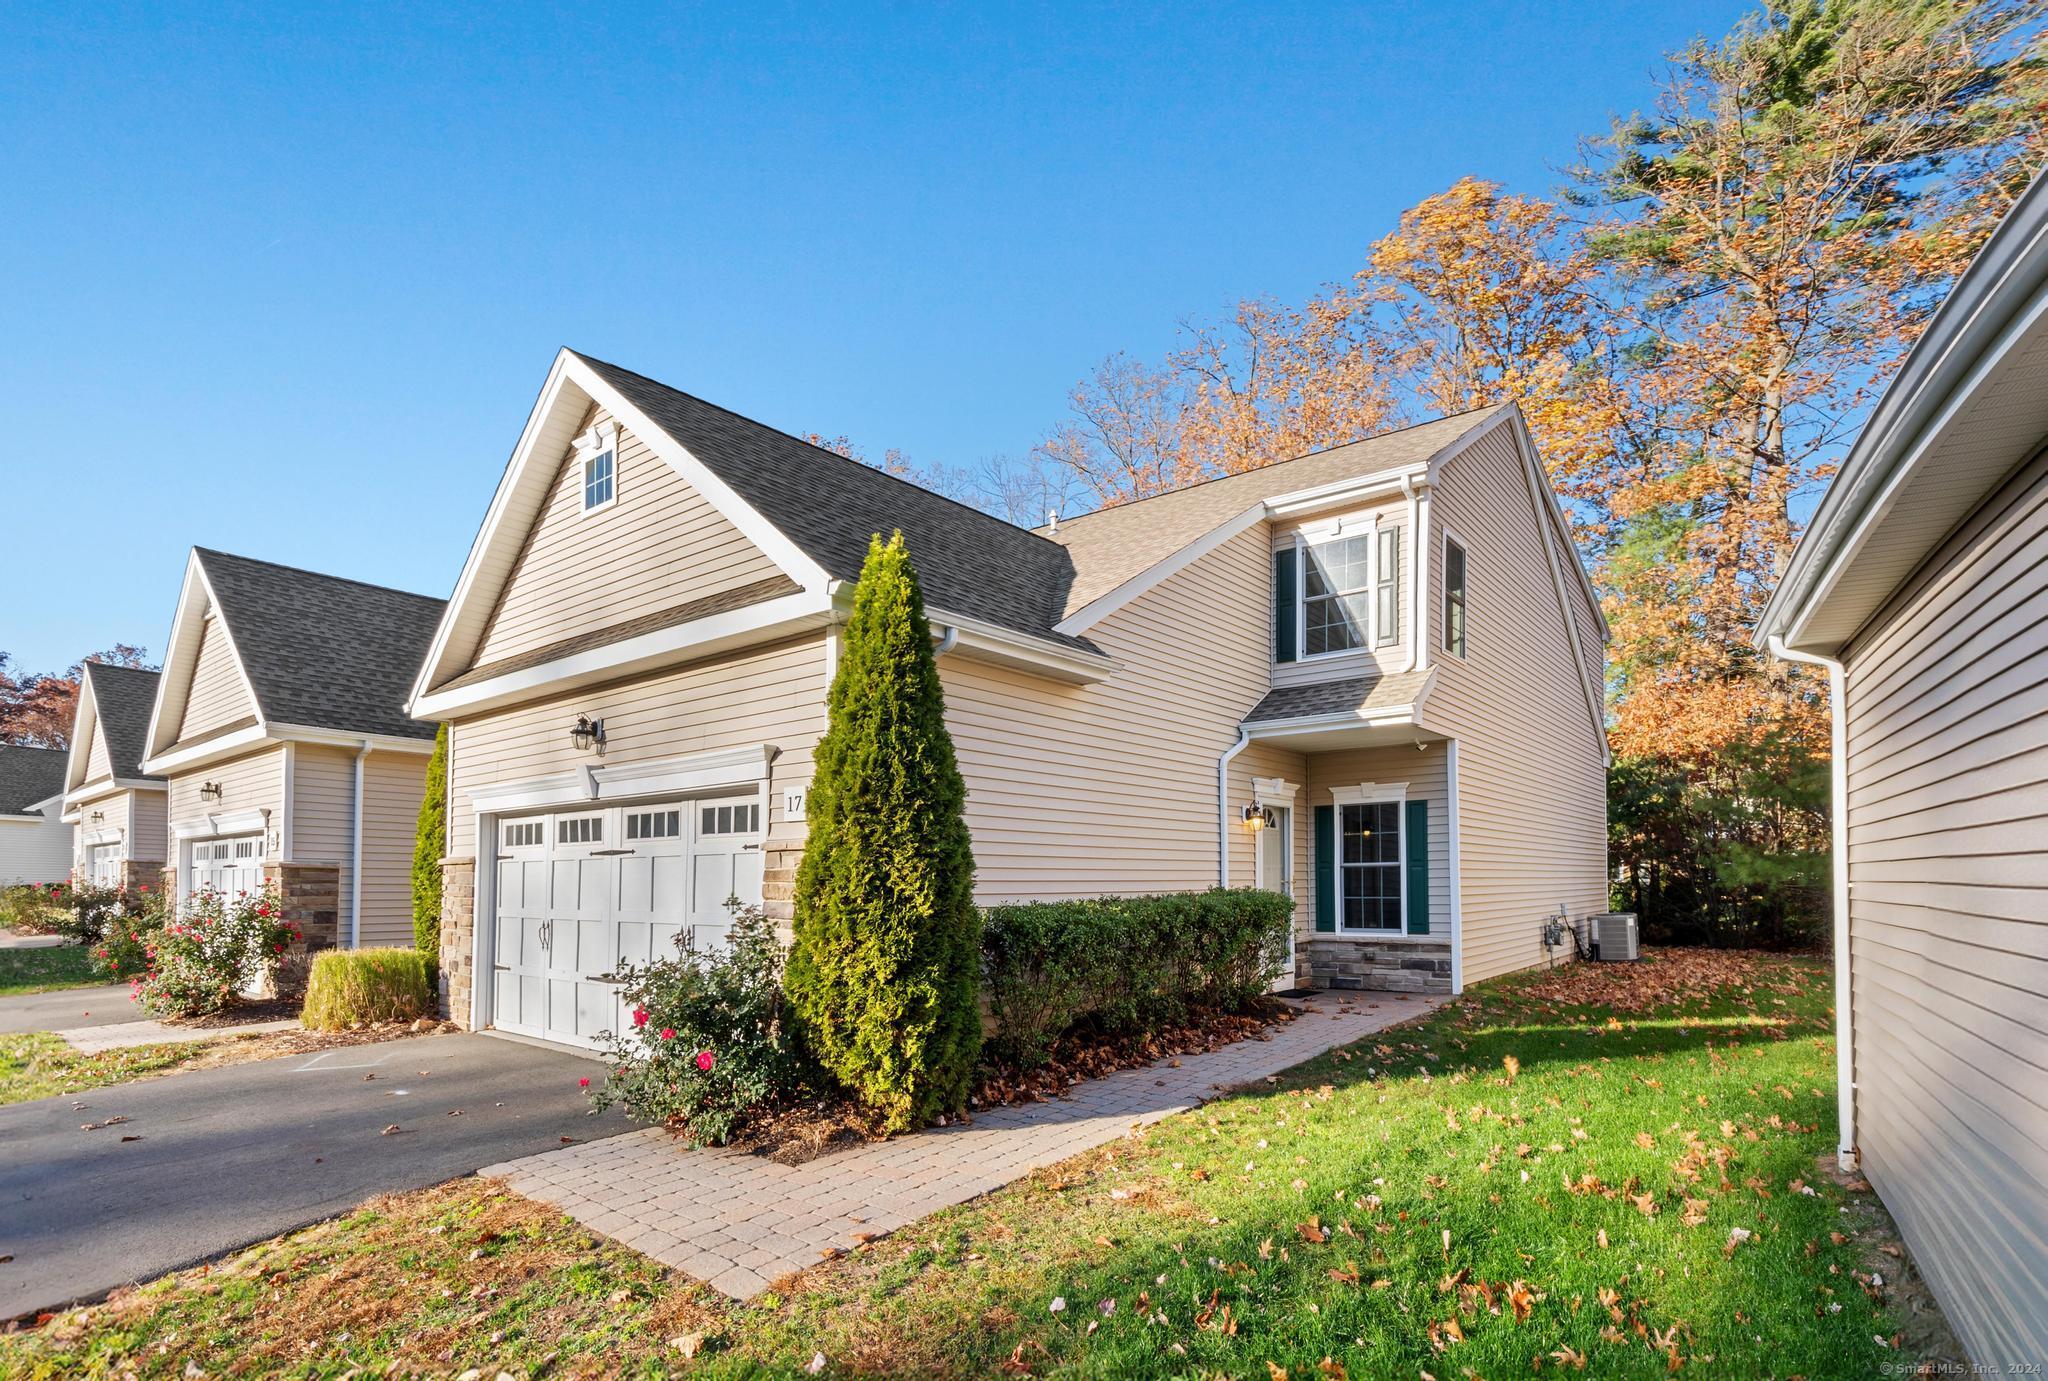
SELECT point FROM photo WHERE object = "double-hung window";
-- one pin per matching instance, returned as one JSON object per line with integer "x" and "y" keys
{"x": 1369, "y": 865}
{"x": 597, "y": 450}
{"x": 1454, "y": 598}
{"x": 1336, "y": 595}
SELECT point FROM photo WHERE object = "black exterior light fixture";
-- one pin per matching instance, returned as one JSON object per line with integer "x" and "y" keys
{"x": 209, "y": 791}
{"x": 588, "y": 734}
{"x": 1257, "y": 817}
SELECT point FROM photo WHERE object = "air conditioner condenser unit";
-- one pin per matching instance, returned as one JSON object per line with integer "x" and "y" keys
{"x": 1614, "y": 935}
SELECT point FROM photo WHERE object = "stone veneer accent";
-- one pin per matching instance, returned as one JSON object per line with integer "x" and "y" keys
{"x": 1395, "y": 964}
{"x": 143, "y": 874}
{"x": 310, "y": 895}
{"x": 458, "y": 925}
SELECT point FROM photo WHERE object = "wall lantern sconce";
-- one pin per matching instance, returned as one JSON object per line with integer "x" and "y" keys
{"x": 98, "y": 816}
{"x": 209, "y": 791}
{"x": 588, "y": 734}
{"x": 1257, "y": 817}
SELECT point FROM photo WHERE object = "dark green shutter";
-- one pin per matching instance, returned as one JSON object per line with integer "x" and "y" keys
{"x": 1283, "y": 605}
{"x": 1417, "y": 826}
{"x": 1326, "y": 867}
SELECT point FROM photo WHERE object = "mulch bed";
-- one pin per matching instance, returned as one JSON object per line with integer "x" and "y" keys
{"x": 242, "y": 1014}
{"x": 815, "y": 1127}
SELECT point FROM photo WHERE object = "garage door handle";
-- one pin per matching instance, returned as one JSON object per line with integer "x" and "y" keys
{"x": 611, "y": 853}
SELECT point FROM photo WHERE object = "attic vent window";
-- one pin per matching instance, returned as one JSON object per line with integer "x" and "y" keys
{"x": 597, "y": 452}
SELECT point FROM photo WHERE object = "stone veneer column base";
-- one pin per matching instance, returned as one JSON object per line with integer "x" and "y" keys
{"x": 310, "y": 896}
{"x": 150, "y": 874}
{"x": 458, "y": 928}
{"x": 1397, "y": 964}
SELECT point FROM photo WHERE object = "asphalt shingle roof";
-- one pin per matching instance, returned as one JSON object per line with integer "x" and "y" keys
{"x": 123, "y": 697}
{"x": 1357, "y": 693}
{"x": 29, "y": 775}
{"x": 969, "y": 562}
{"x": 322, "y": 651}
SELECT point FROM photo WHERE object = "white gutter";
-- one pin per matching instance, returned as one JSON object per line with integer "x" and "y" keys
{"x": 1416, "y": 543}
{"x": 355, "y": 865}
{"x": 947, "y": 641}
{"x": 1838, "y": 772}
{"x": 1244, "y": 736}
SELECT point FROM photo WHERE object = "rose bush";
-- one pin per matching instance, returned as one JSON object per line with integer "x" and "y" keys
{"x": 707, "y": 1046}
{"x": 130, "y": 934}
{"x": 218, "y": 945}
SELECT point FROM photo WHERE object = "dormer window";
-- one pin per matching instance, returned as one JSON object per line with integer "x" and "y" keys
{"x": 597, "y": 451}
{"x": 1337, "y": 590}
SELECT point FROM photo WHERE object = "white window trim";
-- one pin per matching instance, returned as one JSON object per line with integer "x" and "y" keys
{"x": 1446, "y": 539}
{"x": 593, "y": 443}
{"x": 1372, "y": 794}
{"x": 1316, "y": 534}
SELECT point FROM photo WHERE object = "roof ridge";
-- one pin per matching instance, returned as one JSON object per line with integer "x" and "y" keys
{"x": 317, "y": 575}
{"x": 1275, "y": 465}
{"x": 821, "y": 450}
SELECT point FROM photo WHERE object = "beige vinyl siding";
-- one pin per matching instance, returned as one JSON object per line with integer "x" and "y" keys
{"x": 253, "y": 781}
{"x": 1947, "y": 722}
{"x": 1532, "y": 784}
{"x": 323, "y": 810}
{"x": 98, "y": 762}
{"x": 114, "y": 811}
{"x": 148, "y": 826}
{"x": 218, "y": 694}
{"x": 661, "y": 544}
{"x": 773, "y": 695}
{"x": 1266, "y": 760}
{"x": 1424, "y": 773}
{"x": 393, "y": 786}
{"x": 1110, "y": 788}
{"x": 1375, "y": 659}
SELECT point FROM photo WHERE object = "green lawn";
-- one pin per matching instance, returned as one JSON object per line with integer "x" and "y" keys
{"x": 1607, "y": 1171}
{"x": 44, "y": 970}
{"x": 37, "y": 1064}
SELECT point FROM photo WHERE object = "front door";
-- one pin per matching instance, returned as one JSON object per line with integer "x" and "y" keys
{"x": 1276, "y": 874}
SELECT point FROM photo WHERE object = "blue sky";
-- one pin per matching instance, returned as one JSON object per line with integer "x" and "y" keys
{"x": 286, "y": 282}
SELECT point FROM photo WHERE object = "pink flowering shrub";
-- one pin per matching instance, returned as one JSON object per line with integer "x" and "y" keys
{"x": 707, "y": 1046}
{"x": 214, "y": 948}
{"x": 130, "y": 934}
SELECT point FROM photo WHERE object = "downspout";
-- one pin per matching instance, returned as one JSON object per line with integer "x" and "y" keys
{"x": 947, "y": 641}
{"x": 1244, "y": 736}
{"x": 1414, "y": 556}
{"x": 1838, "y": 823}
{"x": 355, "y": 866}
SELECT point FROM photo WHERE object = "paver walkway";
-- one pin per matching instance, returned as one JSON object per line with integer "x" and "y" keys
{"x": 740, "y": 1221}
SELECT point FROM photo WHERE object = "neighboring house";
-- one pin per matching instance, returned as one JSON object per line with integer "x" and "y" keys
{"x": 35, "y": 843}
{"x": 280, "y": 730}
{"x": 1922, "y": 587}
{"x": 117, "y": 810}
{"x": 1388, "y": 651}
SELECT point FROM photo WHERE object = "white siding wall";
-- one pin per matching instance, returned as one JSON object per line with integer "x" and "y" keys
{"x": 1532, "y": 783}
{"x": 1947, "y": 710}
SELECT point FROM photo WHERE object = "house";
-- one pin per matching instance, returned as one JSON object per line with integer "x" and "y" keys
{"x": 1370, "y": 677}
{"x": 1922, "y": 589}
{"x": 280, "y": 731}
{"x": 116, "y": 810}
{"x": 35, "y": 843}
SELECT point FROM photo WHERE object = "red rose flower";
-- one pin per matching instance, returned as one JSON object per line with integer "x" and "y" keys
{"x": 705, "y": 1060}
{"x": 639, "y": 1016}
{"x": 583, "y": 1082}
{"x": 668, "y": 1033}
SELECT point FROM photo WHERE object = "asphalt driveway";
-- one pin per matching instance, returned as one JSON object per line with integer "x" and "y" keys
{"x": 67, "y": 1009}
{"x": 222, "y": 1158}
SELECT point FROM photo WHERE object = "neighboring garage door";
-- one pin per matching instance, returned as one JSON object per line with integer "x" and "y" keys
{"x": 227, "y": 866}
{"x": 581, "y": 892}
{"x": 103, "y": 864}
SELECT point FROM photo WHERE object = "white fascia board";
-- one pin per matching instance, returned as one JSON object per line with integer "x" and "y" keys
{"x": 989, "y": 643}
{"x": 1357, "y": 488}
{"x": 77, "y": 761}
{"x": 101, "y": 790}
{"x": 1102, "y": 606}
{"x": 187, "y": 622}
{"x": 572, "y": 383}
{"x": 212, "y": 750}
{"x": 757, "y": 623}
{"x": 1539, "y": 490}
{"x": 1341, "y": 719}
{"x": 343, "y": 738}
{"x": 1972, "y": 332}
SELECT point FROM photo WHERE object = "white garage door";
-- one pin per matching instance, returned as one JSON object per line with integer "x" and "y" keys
{"x": 103, "y": 864}
{"x": 228, "y": 866}
{"x": 580, "y": 892}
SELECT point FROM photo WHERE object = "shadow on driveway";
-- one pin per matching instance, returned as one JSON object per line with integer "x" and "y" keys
{"x": 226, "y": 1157}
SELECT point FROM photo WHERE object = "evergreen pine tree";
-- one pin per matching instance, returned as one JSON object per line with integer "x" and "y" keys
{"x": 427, "y": 850}
{"x": 883, "y": 979}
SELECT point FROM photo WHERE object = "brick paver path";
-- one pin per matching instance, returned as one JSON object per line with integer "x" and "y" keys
{"x": 740, "y": 1221}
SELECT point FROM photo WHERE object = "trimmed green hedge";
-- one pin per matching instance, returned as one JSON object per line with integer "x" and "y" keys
{"x": 348, "y": 986}
{"x": 1125, "y": 965}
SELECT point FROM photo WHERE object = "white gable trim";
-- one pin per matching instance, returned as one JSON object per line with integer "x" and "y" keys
{"x": 78, "y": 762}
{"x": 181, "y": 661}
{"x": 571, "y": 387}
